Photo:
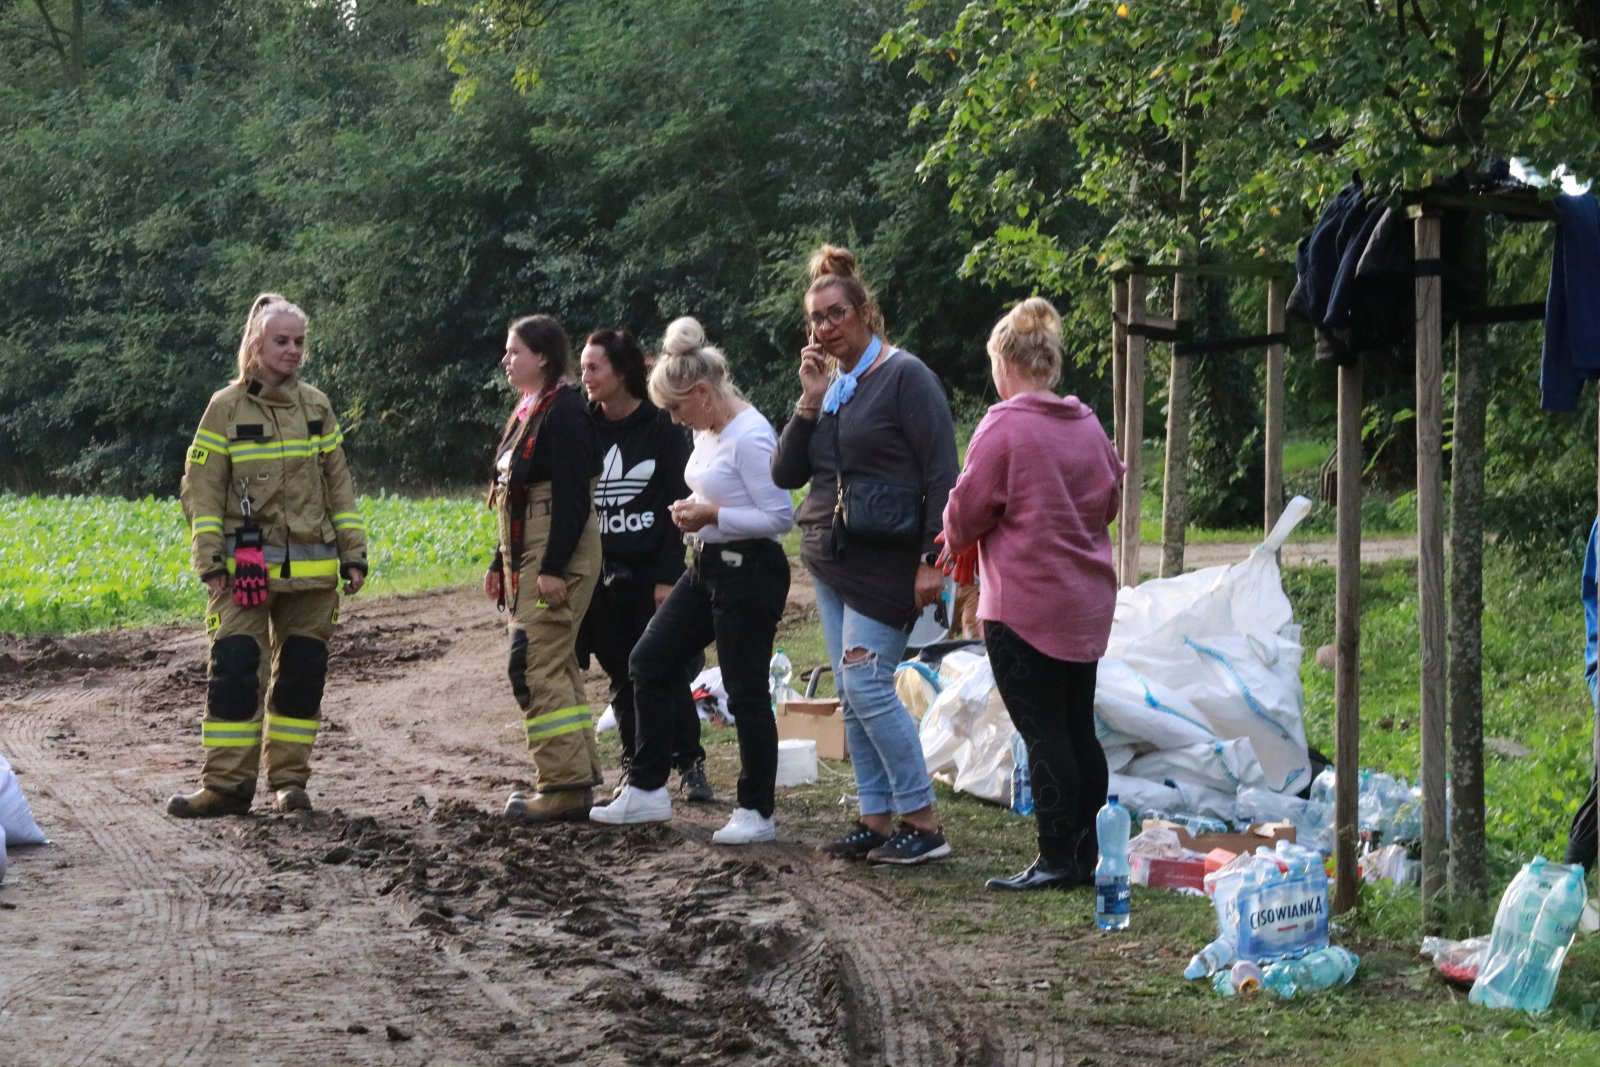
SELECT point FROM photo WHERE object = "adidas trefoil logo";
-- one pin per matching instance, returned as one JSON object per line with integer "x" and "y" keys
{"x": 618, "y": 486}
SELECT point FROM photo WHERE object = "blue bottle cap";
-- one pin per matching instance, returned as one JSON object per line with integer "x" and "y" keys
{"x": 1111, "y": 798}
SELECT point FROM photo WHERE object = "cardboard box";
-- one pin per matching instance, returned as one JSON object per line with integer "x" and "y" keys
{"x": 1262, "y": 833}
{"x": 814, "y": 719}
{"x": 1164, "y": 872}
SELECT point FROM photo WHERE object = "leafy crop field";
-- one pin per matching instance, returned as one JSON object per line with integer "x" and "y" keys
{"x": 70, "y": 564}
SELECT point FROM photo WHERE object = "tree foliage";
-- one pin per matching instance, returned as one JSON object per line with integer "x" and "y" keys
{"x": 415, "y": 175}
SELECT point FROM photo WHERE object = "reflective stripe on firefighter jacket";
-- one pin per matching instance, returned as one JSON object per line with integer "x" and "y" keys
{"x": 281, "y": 445}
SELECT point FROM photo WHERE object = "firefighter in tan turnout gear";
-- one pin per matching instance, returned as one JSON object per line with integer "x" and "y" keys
{"x": 273, "y": 513}
{"x": 546, "y": 566}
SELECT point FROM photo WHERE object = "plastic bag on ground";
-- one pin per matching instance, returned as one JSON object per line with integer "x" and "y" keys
{"x": 16, "y": 817}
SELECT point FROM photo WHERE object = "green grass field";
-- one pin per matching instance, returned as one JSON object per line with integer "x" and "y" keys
{"x": 72, "y": 564}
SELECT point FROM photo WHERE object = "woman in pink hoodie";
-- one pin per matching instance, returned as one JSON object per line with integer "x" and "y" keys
{"x": 1040, "y": 489}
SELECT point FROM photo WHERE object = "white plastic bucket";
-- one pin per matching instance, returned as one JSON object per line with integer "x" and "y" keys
{"x": 797, "y": 762}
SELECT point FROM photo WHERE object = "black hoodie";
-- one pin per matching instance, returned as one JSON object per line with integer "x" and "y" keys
{"x": 641, "y": 474}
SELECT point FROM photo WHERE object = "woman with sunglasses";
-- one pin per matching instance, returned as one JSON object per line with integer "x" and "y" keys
{"x": 876, "y": 442}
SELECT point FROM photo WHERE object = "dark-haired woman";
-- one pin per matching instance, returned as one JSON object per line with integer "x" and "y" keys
{"x": 880, "y": 420}
{"x": 546, "y": 566}
{"x": 641, "y": 474}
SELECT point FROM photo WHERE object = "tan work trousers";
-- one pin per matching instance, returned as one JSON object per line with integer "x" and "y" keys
{"x": 272, "y": 658}
{"x": 542, "y": 664}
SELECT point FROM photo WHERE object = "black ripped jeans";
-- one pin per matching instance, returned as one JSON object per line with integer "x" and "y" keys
{"x": 1051, "y": 702}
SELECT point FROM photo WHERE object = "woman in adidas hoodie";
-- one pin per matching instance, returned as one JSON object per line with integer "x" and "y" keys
{"x": 1039, "y": 491}
{"x": 641, "y": 474}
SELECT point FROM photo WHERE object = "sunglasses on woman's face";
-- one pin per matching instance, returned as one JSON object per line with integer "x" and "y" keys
{"x": 833, "y": 316}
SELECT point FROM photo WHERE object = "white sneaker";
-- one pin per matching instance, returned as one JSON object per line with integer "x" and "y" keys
{"x": 745, "y": 826}
{"x": 634, "y": 805}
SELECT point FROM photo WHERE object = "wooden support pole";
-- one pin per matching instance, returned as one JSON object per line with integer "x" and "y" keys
{"x": 1430, "y": 570}
{"x": 1119, "y": 363}
{"x": 1133, "y": 435}
{"x": 1347, "y": 644}
{"x": 1277, "y": 298}
{"x": 1180, "y": 416}
{"x": 1468, "y": 874}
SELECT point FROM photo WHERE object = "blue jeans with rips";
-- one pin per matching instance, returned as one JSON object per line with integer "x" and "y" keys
{"x": 885, "y": 749}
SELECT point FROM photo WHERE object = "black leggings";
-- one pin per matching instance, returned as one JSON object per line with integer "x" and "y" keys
{"x": 1051, "y": 702}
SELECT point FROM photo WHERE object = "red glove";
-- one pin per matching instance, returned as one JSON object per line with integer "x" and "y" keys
{"x": 963, "y": 566}
{"x": 249, "y": 568}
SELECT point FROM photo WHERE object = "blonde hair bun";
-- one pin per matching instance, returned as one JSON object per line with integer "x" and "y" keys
{"x": 1035, "y": 315}
{"x": 684, "y": 335}
{"x": 1029, "y": 338}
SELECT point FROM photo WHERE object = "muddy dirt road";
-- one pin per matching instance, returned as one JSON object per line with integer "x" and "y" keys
{"x": 402, "y": 922}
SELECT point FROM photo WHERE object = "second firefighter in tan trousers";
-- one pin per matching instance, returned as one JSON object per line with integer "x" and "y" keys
{"x": 546, "y": 566}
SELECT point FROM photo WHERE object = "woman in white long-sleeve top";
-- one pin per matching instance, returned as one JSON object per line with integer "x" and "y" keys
{"x": 732, "y": 593}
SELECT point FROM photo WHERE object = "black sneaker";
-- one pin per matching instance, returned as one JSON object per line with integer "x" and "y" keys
{"x": 854, "y": 845}
{"x": 910, "y": 846}
{"x": 694, "y": 785}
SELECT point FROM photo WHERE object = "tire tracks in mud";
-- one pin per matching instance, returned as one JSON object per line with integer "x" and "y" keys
{"x": 404, "y": 922}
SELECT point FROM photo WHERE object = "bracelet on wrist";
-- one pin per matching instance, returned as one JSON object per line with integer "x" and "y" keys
{"x": 807, "y": 409}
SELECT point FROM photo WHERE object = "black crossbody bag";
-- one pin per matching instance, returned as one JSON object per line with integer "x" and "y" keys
{"x": 883, "y": 514}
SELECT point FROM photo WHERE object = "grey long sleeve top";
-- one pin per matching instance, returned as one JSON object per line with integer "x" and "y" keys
{"x": 897, "y": 429}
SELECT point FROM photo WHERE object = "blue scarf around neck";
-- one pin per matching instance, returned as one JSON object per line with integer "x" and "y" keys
{"x": 844, "y": 386}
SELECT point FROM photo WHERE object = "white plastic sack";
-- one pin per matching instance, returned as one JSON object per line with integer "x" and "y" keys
{"x": 1225, "y": 766}
{"x": 1215, "y": 650}
{"x": 16, "y": 818}
{"x": 966, "y": 733}
{"x": 1198, "y": 696}
{"x": 3, "y": 861}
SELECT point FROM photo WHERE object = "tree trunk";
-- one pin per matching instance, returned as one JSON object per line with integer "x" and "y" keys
{"x": 1430, "y": 575}
{"x": 1467, "y": 874}
{"x": 1180, "y": 414}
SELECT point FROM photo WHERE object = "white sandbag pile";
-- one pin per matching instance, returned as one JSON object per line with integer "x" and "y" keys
{"x": 16, "y": 818}
{"x": 1198, "y": 695}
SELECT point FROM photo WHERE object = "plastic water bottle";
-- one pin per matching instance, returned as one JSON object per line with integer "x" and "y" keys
{"x": 1533, "y": 929}
{"x": 1111, "y": 894}
{"x": 779, "y": 673}
{"x": 1322, "y": 969}
{"x": 1547, "y": 947}
{"x": 1021, "y": 781}
{"x": 1209, "y": 960}
{"x": 1240, "y": 980}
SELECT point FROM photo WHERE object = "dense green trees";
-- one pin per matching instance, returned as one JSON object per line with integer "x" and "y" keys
{"x": 415, "y": 181}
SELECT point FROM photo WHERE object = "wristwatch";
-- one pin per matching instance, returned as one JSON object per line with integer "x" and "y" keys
{"x": 931, "y": 558}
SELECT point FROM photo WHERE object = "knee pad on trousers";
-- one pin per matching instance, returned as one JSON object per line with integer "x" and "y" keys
{"x": 302, "y": 670}
{"x": 517, "y": 668}
{"x": 233, "y": 690}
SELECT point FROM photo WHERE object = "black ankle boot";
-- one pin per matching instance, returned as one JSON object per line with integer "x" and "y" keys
{"x": 1042, "y": 875}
